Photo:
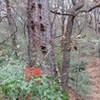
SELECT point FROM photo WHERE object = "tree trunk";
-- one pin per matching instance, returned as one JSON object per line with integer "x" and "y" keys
{"x": 31, "y": 49}
{"x": 63, "y": 22}
{"x": 39, "y": 33}
{"x": 67, "y": 41}
{"x": 12, "y": 26}
{"x": 66, "y": 53}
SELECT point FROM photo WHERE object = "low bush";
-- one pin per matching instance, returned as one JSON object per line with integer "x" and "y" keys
{"x": 14, "y": 85}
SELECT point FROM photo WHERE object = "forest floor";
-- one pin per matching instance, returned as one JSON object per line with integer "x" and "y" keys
{"x": 93, "y": 71}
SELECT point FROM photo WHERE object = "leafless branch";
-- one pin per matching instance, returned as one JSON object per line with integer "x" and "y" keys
{"x": 59, "y": 13}
{"x": 1, "y": 18}
{"x": 89, "y": 10}
{"x": 8, "y": 37}
{"x": 76, "y": 8}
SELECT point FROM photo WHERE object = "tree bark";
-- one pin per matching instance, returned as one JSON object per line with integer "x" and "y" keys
{"x": 31, "y": 49}
{"x": 12, "y": 26}
{"x": 66, "y": 53}
{"x": 39, "y": 33}
{"x": 66, "y": 44}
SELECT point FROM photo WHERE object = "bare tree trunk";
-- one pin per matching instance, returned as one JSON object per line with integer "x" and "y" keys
{"x": 39, "y": 32}
{"x": 63, "y": 21}
{"x": 31, "y": 34}
{"x": 66, "y": 44}
{"x": 49, "y": 37}
{"x": 97, "y": 25}
{"x": 66, "y": 53}
{"x": 12, "y": 26}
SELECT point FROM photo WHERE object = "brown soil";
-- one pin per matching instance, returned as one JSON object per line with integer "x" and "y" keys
{"x": 93, "y": 71}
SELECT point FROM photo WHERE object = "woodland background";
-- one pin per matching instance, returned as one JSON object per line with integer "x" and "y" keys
{"x": 60, "y": 37}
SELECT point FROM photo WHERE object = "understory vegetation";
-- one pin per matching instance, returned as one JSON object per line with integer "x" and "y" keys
{"x": 49, "y": 49}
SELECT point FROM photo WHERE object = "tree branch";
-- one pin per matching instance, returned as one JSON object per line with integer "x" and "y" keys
{"x": 92, "y": 8}
{"x": 71, "y": 11}
{"x": 59, "y": 13}
{"x": 1, "y": 18}
{"x": 76, "y": 10}
{"x": 89, "y": 10}
{"x": 8, "y": 37}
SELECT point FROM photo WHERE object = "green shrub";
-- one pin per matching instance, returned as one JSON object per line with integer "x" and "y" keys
{"x": 14, "y": 87}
